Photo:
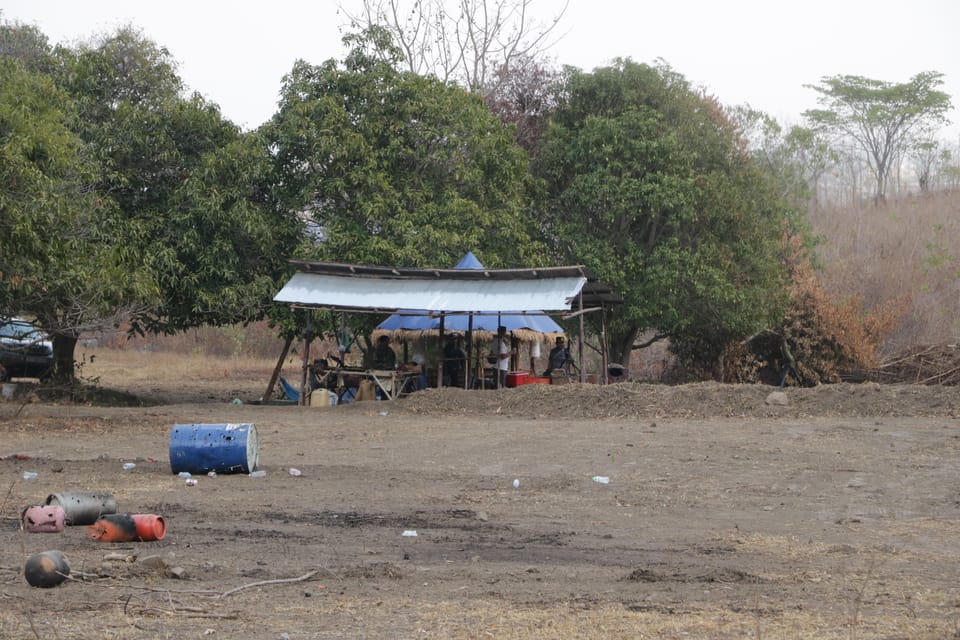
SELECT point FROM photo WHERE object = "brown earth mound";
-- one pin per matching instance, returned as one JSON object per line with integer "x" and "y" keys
{"x": 701, "y": 400}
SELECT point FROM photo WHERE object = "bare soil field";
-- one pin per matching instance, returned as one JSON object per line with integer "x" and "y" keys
{"x": 835, "y": 515}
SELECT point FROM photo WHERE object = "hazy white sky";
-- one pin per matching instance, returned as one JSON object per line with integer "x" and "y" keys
{"x": 757, "y": 52}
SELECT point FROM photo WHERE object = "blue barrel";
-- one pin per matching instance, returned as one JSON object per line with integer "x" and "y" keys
{"x": 224, "y": 448}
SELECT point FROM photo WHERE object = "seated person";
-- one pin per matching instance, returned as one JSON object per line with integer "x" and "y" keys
{"x": 383, "y": 356}
{"x": 417, "y": 382}
{"x": 319, "y": 376}
{"x": 559, "y": 358}
{"x": 454, "y": 360}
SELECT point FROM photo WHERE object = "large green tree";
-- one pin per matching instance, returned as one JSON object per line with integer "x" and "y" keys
{"x": 882, "y": 118}
{"x": 194, "y": 191}
{"x": 395, "y": 168}
{"x": 392, "y": 168}
{"x": 61, "y": 256}
{"x": 175, "y": 202}
{"x": 647, "y": 185}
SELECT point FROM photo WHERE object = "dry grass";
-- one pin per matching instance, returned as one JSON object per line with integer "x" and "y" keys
{"x": 123, "y": 367}
{"x": 907, "y": 247}
{"x": 328, "y": 618}
{"x": 127, "y": 375}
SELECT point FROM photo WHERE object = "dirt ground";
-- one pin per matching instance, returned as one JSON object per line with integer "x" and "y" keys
{"x": 836, "y": 515}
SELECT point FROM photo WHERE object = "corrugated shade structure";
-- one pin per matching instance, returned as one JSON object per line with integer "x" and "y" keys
{"x": 451, "y": 291}
{"x": 524, "y": 326}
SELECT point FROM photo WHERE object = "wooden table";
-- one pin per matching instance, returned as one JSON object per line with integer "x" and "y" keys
{"x": 390, "y": 382}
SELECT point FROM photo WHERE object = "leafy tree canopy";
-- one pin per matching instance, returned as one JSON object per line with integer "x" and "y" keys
{"x": 393, "y": 168}
{"x": 129, "y": 201}
{"x": 795, "y": 159}
{"x": 193, "y": 191}
{"x": 647, "y": 185}
{"x": 396, "y": 168}
{"x": 61, "y": 261}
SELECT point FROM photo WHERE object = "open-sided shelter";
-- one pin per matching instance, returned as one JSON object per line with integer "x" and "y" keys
{"x": 442, "y": 292}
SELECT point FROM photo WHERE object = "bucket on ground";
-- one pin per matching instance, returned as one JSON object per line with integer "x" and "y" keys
{"x": 323, "y": 398}
{"x": 81, "y": 507}
{"x": 224, "y": 448}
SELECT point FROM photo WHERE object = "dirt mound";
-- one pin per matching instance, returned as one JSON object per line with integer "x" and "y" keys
{"x": 700, "y": 400}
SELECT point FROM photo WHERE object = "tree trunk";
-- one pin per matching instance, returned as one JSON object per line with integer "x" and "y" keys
{"x": 63, "y": 371}
{"x": 620, "y": 346}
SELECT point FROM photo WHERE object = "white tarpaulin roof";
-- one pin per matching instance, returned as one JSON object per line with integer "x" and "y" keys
{"x": 451, "y": 296}
{"x": 355, "y": 287}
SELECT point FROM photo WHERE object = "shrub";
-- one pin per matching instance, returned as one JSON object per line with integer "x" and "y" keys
{"x": 828, "y": 336}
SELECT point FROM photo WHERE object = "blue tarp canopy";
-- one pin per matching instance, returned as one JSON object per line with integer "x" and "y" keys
{"x": 525, "y": 326}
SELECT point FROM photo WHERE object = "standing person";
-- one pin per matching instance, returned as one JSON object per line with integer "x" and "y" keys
{"x": 504, "y": 352}
{"x": 788, "y": 364}
{"x": 384, "y": 358}
{"x": 454, "y": 360}
{"x": 534, "y": 356}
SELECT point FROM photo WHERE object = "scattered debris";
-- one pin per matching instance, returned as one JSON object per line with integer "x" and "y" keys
{"x": 120, "y": 557}
{"x": 43, "y": 519}
{"x": 114, "y": 527}
{"x": 937, "y": 364}
{"x": 305, "y": 576}
{"x": 46, "y": 569}
{"x": 83, "y": 507}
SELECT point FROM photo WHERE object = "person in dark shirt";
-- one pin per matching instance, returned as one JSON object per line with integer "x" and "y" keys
{"x": 558, "y": 359}
{"x": 454, "y": 360}
{"x": 788, "y": 364}
{"x": 384, "y": 358}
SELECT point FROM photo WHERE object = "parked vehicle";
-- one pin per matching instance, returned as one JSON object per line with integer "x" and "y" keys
{"x": 25, "y": 351}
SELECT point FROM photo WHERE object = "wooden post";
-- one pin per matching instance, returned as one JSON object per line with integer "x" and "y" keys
{"x": 276, "y": 372}
{"x": 467, "y": 365}
{"x": 307, "y": 339}
{"x": 580, "y": 341}
{"x": 441, "y": 351}
{"x": 604, "y": 359}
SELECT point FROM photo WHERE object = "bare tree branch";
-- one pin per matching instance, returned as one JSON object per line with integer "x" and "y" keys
{"x": 467, "y": 43}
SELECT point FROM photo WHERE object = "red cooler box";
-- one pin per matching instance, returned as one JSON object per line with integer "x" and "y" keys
{"x": 517, "y": 378}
